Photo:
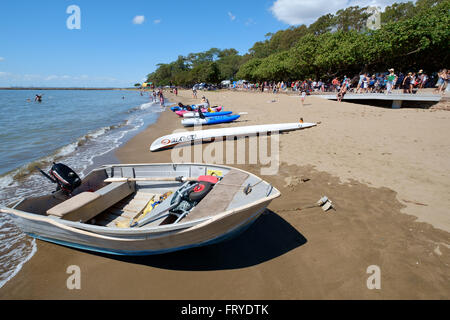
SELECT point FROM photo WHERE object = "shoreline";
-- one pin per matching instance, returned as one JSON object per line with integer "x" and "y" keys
{"x": 90, "y": 150}
{"x": 287, "y": 254}
{"x": 68, "y": 88}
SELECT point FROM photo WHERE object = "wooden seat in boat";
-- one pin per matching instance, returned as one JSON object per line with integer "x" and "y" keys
{"x": 86, "y": 205}
{"x": 125, "y": 210}
{"x": 220, "y": 197}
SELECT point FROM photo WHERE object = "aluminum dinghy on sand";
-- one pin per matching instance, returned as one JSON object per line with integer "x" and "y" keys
{"x": 174, "y": 139}
{"x": 144, "y": 209}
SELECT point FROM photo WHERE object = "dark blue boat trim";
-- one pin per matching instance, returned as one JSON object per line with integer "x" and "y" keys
{"x": 221, "y": 119}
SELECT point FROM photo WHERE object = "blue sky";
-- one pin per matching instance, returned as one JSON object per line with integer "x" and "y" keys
{"x": 37, "y": 48}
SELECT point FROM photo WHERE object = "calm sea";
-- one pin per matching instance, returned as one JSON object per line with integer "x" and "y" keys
{"x": 76, "y": 127}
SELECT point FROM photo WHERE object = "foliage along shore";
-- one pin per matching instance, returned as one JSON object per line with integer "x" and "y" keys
{"x": 412, "y": 36}
{"x": 60, "y": 88}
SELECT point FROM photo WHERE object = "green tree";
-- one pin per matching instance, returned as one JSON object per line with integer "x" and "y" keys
{"x": 351, "y": 18}
{"x": 398, "y": 11}
{"x": 323, "y": 25}
{"x": 411, "y": 36}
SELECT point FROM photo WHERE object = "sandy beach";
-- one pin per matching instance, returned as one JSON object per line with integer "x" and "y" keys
{"x": 386, "y": 171}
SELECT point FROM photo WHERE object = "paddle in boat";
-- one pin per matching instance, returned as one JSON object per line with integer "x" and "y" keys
{"x": 187, "y": 137}
{"x": 143, "y": 209}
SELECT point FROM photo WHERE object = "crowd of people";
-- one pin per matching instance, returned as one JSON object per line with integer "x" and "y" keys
{"x": 157, "y": 95}
{"x": 409, "y": 83}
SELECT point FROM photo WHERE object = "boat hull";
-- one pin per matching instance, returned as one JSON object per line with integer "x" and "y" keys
{"x": 207, "y": 233}
{"x": 211, "y": 223}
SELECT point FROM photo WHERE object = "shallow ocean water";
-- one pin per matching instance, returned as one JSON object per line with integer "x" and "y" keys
{"x": 79, "y": 128}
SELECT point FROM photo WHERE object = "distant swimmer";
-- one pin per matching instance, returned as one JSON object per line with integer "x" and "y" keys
{"x": 38, "y": 98}
{"x": 123, "y": 98}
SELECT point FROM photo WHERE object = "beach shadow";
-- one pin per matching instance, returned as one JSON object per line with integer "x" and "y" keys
{"x": 270, "y": 236}
{"x": 387, "y": 104}
{"x": 240, "y": 121}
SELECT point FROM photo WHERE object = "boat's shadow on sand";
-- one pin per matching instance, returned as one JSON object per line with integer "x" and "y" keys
{"x": 270, "y": 236}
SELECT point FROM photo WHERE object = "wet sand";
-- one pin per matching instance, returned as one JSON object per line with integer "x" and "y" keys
{"x": 386, "y": 171}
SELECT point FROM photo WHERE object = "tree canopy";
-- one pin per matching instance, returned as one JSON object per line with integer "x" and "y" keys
{"x": 412, "y": 35}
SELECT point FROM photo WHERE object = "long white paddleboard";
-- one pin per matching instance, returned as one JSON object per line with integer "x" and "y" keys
{"x": 183, "y": 137}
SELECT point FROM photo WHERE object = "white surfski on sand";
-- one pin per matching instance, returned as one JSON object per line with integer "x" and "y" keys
{"x": 171, "y": 140}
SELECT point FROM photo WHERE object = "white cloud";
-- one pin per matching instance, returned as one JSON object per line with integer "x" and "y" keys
{"x": 250, "y": 22}
{"x": 1, "y": 58}
{"x": 63, "y": 77}
{"x": 232, "y": 17}
{"x": 11, "y": 79}
{"x": 157, "y": 21}
{"x": 52, "y": 77}
{"x": 295, "y": 12}
{"x": 31, "y": 77}
{"x": 138, "y": 20}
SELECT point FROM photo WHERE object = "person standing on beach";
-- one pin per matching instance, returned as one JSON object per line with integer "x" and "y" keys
{"x": 391, "y": 79}
{"x": 372, "y": 81}
{"x": 194, "y": 93}
{"x": 443, "y": 78}
{"x": 360, "y": 82}
{"x": 422, "y": 80}
{"x": 205, "y": 102}
{"x": 335, "y": 84}
{"x": 447, "y": 86}
{"x": 161, "y": 99}
{"x": 343, "y": 90}
{"x": 303, "y": 97}
{"x": 366, "y": 84}
{"x": 407, "y": 83}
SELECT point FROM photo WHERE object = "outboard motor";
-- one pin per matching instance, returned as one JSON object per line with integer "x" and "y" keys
{"x": 66, "y": 179}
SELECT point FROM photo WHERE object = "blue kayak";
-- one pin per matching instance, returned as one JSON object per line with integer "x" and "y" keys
{"x": 194, "y": 114}
{"x": 178, "y": 108}
{"x": 209, "y": 120}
